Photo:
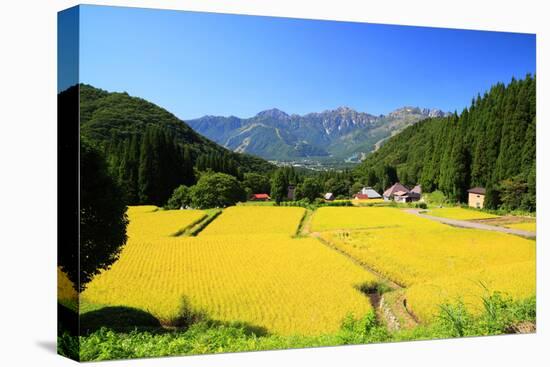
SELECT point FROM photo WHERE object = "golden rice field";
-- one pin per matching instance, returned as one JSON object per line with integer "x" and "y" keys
{"x": 437, "y": 263}
{"x": 460, "y": 213}
{"x": 286, "y": 285}
{"x": 245, "y": 220}
{"x": 526, "y": 226}
{"x": 65, "y": 289}
{"x": 332, "y": 218}
{"x": 147, "y": 222}
{"x": 517, "y": 280}
{"x": 138, "y": 209}
{"x": 412, "y": 255}
{"x": 246, "y": 266}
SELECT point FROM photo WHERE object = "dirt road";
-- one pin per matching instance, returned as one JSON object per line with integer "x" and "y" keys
{"x": 475, "y": 225}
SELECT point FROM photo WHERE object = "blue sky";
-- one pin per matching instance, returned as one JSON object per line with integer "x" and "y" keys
{"x": 194, "y": 64}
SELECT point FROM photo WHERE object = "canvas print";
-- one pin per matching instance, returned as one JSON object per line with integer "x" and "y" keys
{"x": 235, "y": 183}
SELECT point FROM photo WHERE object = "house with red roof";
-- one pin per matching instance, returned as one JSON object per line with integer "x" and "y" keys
{"x": 367, "y": 193}
{"x": 260, "y": 197}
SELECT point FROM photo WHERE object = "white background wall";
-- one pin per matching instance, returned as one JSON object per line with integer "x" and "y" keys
{"x": 28, "y": 181}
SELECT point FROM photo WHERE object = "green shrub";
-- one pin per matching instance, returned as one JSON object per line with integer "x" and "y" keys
{"x": 205, "y": 336}
{"x": 435, "y": 198}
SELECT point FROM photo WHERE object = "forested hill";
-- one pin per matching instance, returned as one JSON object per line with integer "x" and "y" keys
{"x": 106, "y": 116}
{"x": 490, "y": 144}
{"x": 149, "y": 150}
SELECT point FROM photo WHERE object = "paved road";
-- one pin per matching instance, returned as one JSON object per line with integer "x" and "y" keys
{"x": 476, "y": 225}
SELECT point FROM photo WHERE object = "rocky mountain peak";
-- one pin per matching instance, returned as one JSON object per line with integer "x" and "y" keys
{"x": 344, "y": 109}
{"x": 273, "y": 113}
{"x": 435, "y": 112}
{"x": 410, "y": 110}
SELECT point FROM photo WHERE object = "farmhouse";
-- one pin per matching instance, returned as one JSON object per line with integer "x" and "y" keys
{"x": 260, "y": 197}
{"x": 416, "y": 193}
{"x": 389, "y": 194}
{"x": 329, "y": 196}
{"x": 476, "y": 197}
{"x": 367, "y": 193}
{"x": 401, "y": 194}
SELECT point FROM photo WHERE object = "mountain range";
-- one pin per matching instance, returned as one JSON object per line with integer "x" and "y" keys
{"x": 342, "y": 133}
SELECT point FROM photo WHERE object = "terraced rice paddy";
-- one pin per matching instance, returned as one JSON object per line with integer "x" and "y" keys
{"x": 436, "y": 262}
{"x": 516, "y": 280}
{"x": 271, "y": 281}
{"x": 412, "y": 255}
{"x": 333, "y": 218}
{"x": 243, "y": 220}
{"x": 246, "y": 266}
{"x": 145, "y": 222}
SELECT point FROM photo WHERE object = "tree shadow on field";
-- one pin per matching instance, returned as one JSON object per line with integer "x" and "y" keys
{"x": 67, "y": 320}
{"x": 127, "y": 319}
{"x": 123, "y": 319}
{"x": 189, "y": 316}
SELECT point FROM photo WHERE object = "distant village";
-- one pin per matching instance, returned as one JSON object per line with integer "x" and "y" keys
{"x": 397, "y": 192}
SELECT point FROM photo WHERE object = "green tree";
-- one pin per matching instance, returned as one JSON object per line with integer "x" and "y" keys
{"x": 355, "y": 188}
{"x": 257, "y": 183}
{"x": 492, "y": 197}
{"x": 163, "y": 166}
{"x": 148, "y": 173}
{"x": 128, "y": 170}
{"x": 387, "y": 176}
{"x": 216, "y": 190}
{"x": 529, "y": 200}
{"x": 457, "y": 179}
{"x": 181, "y": 197}
{"x": 103, "y": 221}
{"x": 491, "y": 141}
{"x": 337, "y": 185}
{"x": 279, "y": 186}
{"x": 512, "y": 191}
{"x": 309, "y": 189}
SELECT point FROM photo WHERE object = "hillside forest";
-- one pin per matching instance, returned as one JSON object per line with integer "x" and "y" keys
{"x": 151, "y": 153}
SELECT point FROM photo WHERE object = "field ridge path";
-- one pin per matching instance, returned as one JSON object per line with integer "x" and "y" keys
{"x": 473, "y": 225}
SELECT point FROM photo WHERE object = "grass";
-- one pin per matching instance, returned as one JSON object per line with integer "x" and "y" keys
{"x": 460, "y": 213}
{"x": 500, "y": 315}
{"x": 256, "y": 203}
{"x": 367, "y": 201}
